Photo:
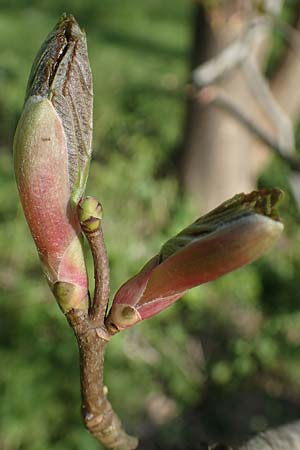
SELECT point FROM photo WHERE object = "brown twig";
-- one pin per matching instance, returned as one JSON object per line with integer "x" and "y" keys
{"x": 92, "y": 336}
{"x": 101, "y": 275}
{"x": 98, "y": 414}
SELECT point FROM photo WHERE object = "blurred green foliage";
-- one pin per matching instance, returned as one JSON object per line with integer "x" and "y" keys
{"x": 221, "y": 363}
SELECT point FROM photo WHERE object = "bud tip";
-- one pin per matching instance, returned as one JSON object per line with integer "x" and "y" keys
{"x": 90, "y": 214}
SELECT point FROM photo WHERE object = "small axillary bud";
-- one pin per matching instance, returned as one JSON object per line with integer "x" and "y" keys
{"x": 123, "y": 315}
{"x": 67, "y": 294}
{"x": 90, "y": 213}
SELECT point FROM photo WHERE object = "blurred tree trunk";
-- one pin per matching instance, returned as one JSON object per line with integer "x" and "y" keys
{"x": 221, "y": 158}
{"x": 217, "y": 157}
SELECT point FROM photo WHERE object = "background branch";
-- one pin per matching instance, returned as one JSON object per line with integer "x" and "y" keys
{"x": 263, "y": 94}
{"x": 216, "y": 96}
{"x": 239, "y": 54}
{"x": 228, "y": 59}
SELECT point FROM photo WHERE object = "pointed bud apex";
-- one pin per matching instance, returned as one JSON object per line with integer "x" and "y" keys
{"x": 52, "y": 150}
{"x": 232, "y": 235}
{"x": 90, "y": 214}
{"x": 263, "y": 202}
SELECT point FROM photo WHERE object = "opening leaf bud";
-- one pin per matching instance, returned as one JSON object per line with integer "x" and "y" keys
{"x": 234, "y": 234}
{"x": 52, "y": 151}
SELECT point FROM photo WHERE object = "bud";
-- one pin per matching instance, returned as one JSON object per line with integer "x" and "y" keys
{"x": 52, "y": 151}
{"x": 232, "y": 235}
{"x": 90, "y": 214}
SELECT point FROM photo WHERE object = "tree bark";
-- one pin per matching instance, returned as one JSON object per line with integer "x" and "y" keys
{"x": 217, "y": 161}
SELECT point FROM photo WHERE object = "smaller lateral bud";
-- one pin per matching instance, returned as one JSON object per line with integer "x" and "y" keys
{"x": 90, "y": 214}
{"x": 67, "y": 296}
{"x": 234, "y": 234}
{"x": 122, "y": 314}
